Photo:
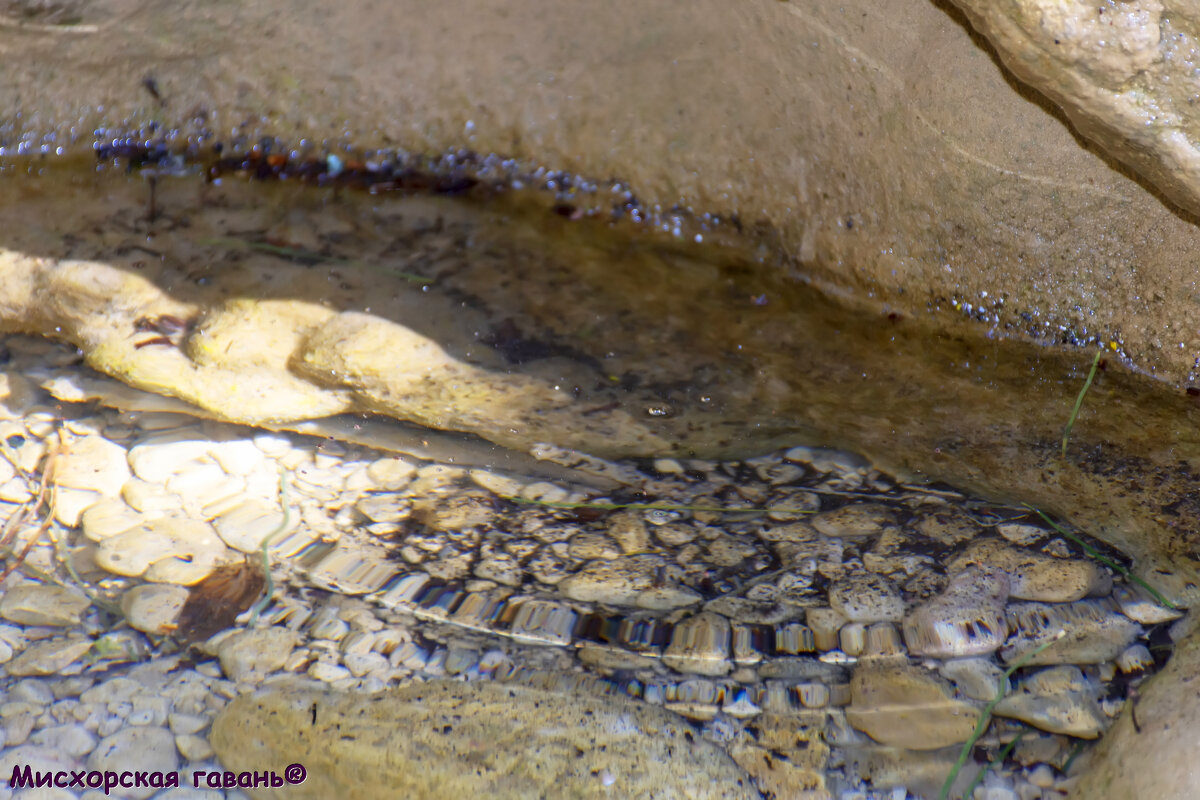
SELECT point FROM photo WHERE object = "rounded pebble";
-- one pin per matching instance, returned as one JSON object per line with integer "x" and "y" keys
{"x": 145, "y": 749}
{"x": 43, "y": 604}
{"x": 521, "y": 743}
{"x": 154, "y": 607}
{"x": 166, "y": 550}
{"x": 251, "y": 655}
{"x": 867, "y": 597}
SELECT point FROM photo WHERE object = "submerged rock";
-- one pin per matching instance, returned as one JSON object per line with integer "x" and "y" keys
{"x": 447, "y": 739}
{"x": 1151, "y": 751}
{"x": 907, "y": 706}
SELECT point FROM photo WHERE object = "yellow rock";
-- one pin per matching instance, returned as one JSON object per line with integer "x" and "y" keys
{"x": 471, "y": 740}
{"x": 906, "y": 706}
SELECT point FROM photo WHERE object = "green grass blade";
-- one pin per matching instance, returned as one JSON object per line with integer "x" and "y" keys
{"x": 1108, "y": 562}
{"x": 985, "y": 717}
{"x": 1079, "y": 400}
{"x": 997, "y": 761}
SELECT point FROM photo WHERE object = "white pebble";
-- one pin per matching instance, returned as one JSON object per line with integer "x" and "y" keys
{"x": 145, "y": 749}
{"x": 74, "y": 740}
{"x": 154, "y": 607}
{"x": 31, "y": 691}
{"x": 1041, "y": 776}
{"x": 324, "y": 671}
{"x": 193, "y": 748}
{"x": 184, "y": 724}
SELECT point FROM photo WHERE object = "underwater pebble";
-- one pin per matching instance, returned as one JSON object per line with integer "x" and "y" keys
{"x": 31, "y": 690}
{"x": 1021, "y": 534}
{"x": 238, "y": 456}
{"x": 193, "y": 748}
{"x": 154, "y": 608}
{"x": 1095, "y": 632}
{"x": 244, "y": 526}
{"x": 523, "y": 742}
{"x": 867, "y": 597}
{"x": 108, "y": 517}
{"x": 498, "y": 484}
{"x": 628, "y": 529}
{"x": 977, "y": 678}
{"x": 166, "y": 550}
{"x": 250, "y": 655}
{"x": 384, "y": 507}
{"x": 15, "y": 490}
{"x": 1058, "y": 700}
{"x": 146, "y": 749}
{"x": 1135, "y": 660}
{"x": 856, "y": 519}
{"x": 43, "y": 604}
{"x": 1033, "y": 575}
{"x": 159, "y": 456}
{"x": 966, "y": 619}
{"x": 729, "y": 551}
{"x": 544, "y": 492}
{"x": 906, "y": 706}
{"x": 588, "y": 545}
{"x": 501, "y": 568}
{"x": 49, "y": 657}
{"x": 391, "y": 474}
{"x": 150, "y": 498}
{"x": 184, "y": 724}
{"x": 1139, "y": 606}
{"x": 948, "y": 527}
{"x": 93, "y": 463}
{"x": 74, "y": 740}
{"x": 630, "y": 581}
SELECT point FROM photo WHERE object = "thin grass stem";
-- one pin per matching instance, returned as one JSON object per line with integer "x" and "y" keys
{"x": 269, "y": 582}
{"x": 1079, "y": 400}
{"x": 985, "y": 717}
{"x": 1105, "y": 560}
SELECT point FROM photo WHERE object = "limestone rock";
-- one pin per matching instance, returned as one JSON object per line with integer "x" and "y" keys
{"x": 867, "y": 597}
{"x": 907, "y": 706}
{"x": 166, "y": 550}
{"x": 43, "y": 604}
{"x": 628, "y": 581}
{"x": 1157, "y": 757}
{"x": 1033, "y": 575}
{"x": 1095, "y": 632}
{"x": 520, "y": 742}
{"x": 967, "y": 619}
{"x": 1058, "y": 700}
{"x": 1122, "y": 71}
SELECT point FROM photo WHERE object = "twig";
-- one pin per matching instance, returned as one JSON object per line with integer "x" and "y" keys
{"x": 43, "y": 489}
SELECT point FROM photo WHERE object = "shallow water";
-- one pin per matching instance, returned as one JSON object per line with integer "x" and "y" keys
{"x": 714, "y": 347}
